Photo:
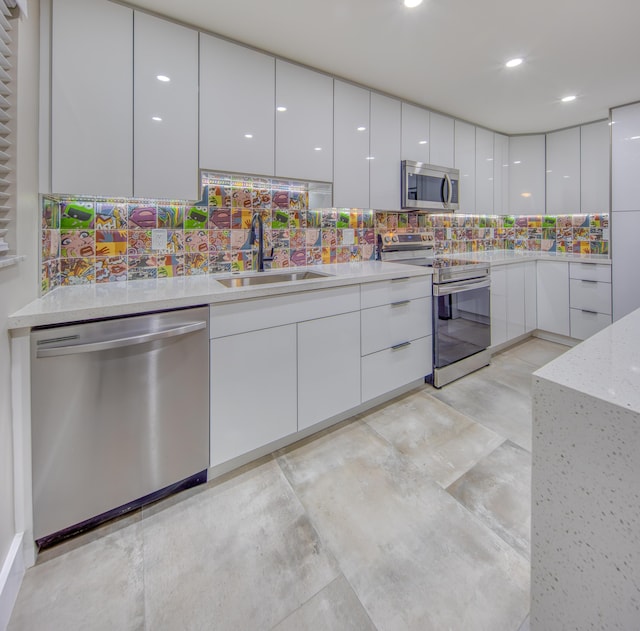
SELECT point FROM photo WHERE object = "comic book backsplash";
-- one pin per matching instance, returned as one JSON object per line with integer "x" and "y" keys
{"x": 98, "y": 241}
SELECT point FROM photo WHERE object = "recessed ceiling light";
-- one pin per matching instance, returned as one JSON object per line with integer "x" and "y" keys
{"x": 317, "y": 148}
{"x": 635, "y": 137}
{"x": 525, "y": 194}
{"x": 156, "y": 118}
{"x": 281, "y": 108}
{"x": 516, "y": 161}
{"x": 362, "y": 128}
{"x": 162, "y": 77}
{"x": 422, "y": 142}
{"x": 370, "y": 158}
{"x": 412, "y": 3}
{"x": 248, "y": 135}
{"x": 512, "y": 63}
{"x": 567, "y": 99}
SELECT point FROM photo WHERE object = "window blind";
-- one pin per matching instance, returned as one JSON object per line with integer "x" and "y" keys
{"x": 6, "y": 51}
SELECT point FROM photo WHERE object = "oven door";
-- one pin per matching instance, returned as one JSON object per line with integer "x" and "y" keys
{"x": 461, "y": 320}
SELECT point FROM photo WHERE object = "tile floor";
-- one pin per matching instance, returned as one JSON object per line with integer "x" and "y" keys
{"x": 415, "y": 515}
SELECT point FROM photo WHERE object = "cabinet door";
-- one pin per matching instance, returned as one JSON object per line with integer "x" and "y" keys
{"x": 350, "y": 146}
{"x": 415, "y": 133}
{"x": 625, "y": 158}
{"x": 441, "y": 137}
{"x": 563, "y": 171}
{"x": 594, "y": 167}
{"x": 498, "y": 305}
{"x": 553, "y": 297}
{"x": 253, "y": 390}
{"x": 237, "y": 108}
{"x": 304, "y": 132}
{"x": 625, "y": 228}
{"x": 484, "y": 171}
{"x": 465, "y": 161}
{"x": 165, "y": 112}
{"x": 500, "y": 174}
{"x": 92, "y": 98}
{"x": 384, "y": 165}
{"x": 527, "y": 174}
{"x": 530, "y": 296}
{"x": 328, "y": 367}
{"x": 515, "y": 300}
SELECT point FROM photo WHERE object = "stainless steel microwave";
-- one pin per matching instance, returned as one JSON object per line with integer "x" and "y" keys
{"x": 429, "y": 187}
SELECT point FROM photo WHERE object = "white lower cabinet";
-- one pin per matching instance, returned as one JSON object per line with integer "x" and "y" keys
{"x": 396, "y": 334}
{"x": 498, "y": 305}
{"x": 328, "y": 367}
{"x": 553, "y": 297}
{"x": 253, "y": 390}
{"x": 589, "y": 298}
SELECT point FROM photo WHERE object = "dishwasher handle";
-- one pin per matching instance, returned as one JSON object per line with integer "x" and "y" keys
{"x": 105, "y": 345}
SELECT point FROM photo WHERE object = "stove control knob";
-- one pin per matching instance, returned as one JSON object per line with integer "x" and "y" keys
{"x": 395, "y": 238}
{"x": 387, "y": 238}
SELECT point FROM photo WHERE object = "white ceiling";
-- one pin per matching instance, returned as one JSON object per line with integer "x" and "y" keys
{"x": 449, "y": 54}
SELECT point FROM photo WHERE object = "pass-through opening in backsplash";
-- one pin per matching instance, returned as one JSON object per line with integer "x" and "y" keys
{"x": 89, "y": 240}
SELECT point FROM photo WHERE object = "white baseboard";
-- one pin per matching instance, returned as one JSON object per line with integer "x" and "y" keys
{"x": 11, "y": 575}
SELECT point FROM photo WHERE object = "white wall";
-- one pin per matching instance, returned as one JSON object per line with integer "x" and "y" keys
{"x": 19, "y": 284}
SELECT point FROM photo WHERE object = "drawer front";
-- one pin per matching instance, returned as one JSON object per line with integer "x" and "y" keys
{"x": 585, "y": 323}
{"x": 242, "y": 316}
{"x": 590, "y": 271}
{"x": 388, "y": 325}
{"x": 392, "y": 368}
{"x": 402, "y": 288}
{"x": 590, "y": 295}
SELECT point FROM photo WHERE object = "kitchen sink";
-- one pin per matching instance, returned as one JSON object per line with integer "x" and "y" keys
{"x": 268, "y": 278}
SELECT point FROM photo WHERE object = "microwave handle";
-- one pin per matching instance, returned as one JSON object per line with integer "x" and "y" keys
{"x": 449, "y": 187}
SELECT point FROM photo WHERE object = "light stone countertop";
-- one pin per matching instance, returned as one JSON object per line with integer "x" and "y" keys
{"x": 89, "y": 302}
{"x": 605, "y": 366}
{"x": 504, "y": 257}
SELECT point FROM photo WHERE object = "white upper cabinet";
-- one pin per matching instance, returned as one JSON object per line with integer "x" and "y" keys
{"x": 594, "y": 167}
{"x": 92, "y": 98}
{"x": 351, "y": 146}
{"x": 384, "y": 162}
{"x": 484, "y": 171}
{"x": 237, "y": 108}
{"x": 527, "y": 174}
{"x": 441, "y": 138}
{"x": 465, "y": 161}
{"x": 625, "y": 157}
{"x": 415, "y": 133}
{"x": 500, "y": 174}
{"x": 563, "y": 171}
{"x": 165, "y": 109}
{"x": 304, "y": 131}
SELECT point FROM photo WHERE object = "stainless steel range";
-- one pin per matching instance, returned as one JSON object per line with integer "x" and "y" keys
{"x": 461, "y": 304}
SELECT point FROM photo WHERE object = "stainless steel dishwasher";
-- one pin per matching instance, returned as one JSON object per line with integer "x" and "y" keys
{"x": 120, "y": 416}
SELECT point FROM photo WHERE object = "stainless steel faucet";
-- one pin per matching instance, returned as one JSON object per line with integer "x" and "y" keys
{"x": 257, "y": 217}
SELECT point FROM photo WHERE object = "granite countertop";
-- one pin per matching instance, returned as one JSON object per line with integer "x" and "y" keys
{"x": 87, "y": 302}
{"x": 605, "y": 366}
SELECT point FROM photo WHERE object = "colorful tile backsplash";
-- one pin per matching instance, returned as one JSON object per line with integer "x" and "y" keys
{"x": 99, "y": 240}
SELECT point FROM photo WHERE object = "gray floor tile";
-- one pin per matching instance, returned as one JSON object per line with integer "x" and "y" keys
{"x": 335, "y": 608}
{"x": 440, "y": 441}
{"x": 95, "y": 586}
{"x": 414, "y": 556}
{"x": 536, "y": 351}
{"x": 242, "y": 555}
{"x": 499, "y": 407}
{"x": 498, "y": 491}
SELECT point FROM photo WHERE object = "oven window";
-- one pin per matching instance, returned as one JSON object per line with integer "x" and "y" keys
{"x": 462, "y": 325}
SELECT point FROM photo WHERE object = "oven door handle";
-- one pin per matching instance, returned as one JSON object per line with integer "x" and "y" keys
{"x": 456, "y": 288}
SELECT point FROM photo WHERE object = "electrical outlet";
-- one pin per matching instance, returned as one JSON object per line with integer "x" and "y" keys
{"x": 348, "y": 236}
{"x": 159, "y": 239}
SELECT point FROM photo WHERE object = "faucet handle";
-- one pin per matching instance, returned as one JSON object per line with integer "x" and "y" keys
{"x": 268, "y": 259}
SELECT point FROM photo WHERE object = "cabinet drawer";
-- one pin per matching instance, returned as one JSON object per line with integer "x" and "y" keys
{"x": 585, "y": 323}
{"x": 400, "y": 288}
{"x": 388, "y": 325}
{"x": 590, "y": 295}
{"x": 590, "y": 271}
{"x": 392, "y": 368}
{"x": 262, "y": 313}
